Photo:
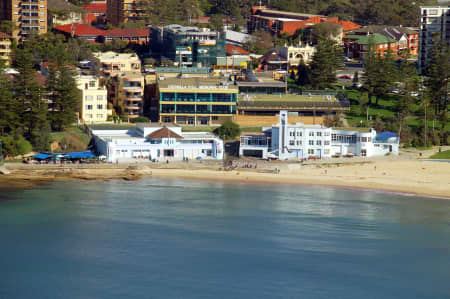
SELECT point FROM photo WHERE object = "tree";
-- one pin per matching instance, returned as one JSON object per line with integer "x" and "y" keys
{"x": 380, "y": 73}
{"x": 355, "y": 77}
{"x": 63, "y": 92}
{"x": 259, "y": 43}
{"x": 228, "y": 131}
{"x": 325, "y": 30}
{"x": 216, "y": 22}
{"x": 303, "y": 74}
{"x": 326, "y": 60}
{"x": 31, "y": 109}
{"x": 438, "y": 75}
{"x": 8, "y": 115}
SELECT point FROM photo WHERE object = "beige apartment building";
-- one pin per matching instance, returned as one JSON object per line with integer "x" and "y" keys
{"x": 27, "y": 15}
{"x": 94, "y": 99}
{"x": 113, "y": 64}
{"x": 122, "y": 11}
{"x": 127, "y": 93}
{"x": 5, "y": 47}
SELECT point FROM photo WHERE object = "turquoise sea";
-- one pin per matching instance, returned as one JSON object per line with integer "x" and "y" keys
{"x": 158, "y": 238}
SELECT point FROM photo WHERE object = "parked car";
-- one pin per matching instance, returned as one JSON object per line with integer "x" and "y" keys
{"x": 345, "y": 77}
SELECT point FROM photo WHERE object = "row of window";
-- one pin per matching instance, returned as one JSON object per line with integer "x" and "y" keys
{"x": 311, "y": 142}
{"x": 90, "y": 98}
{"x": 90, "y": 107}
{"x": 325, "y": 152}
{"x": 311, "y": 133}
{"x": 91, "y": 116}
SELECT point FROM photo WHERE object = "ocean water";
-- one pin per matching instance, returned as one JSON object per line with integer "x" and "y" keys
{"x": 158, "y": 238}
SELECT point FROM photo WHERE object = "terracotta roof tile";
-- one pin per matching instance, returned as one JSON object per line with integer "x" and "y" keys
{"x": 348, "y": 25}
{"x": 80, "y": 30}
{"x": 127, "y": 32}
{"x": 235, "y": 50}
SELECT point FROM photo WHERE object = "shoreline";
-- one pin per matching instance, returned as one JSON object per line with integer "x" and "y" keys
{"x": 406, "y": 177}
{"x": 256, "y": 181}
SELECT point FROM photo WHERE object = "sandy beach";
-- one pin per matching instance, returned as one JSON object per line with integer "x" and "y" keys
{"x": 397, "y": 174}
{"x": 411, "y": 177}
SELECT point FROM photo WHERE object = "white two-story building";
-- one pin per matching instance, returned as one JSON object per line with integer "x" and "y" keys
{"x": 289, "y": 141}
{"x": 153, "y": 141}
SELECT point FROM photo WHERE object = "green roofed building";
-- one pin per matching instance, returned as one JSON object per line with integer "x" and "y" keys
{"x": 357, "y": 46}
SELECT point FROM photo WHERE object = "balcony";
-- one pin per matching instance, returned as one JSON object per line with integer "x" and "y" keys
{"x": 132, "y": 108}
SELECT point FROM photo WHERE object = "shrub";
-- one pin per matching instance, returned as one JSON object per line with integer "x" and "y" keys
{"x": 15, "y": 145}
{"x": 140, "y": 119}
{"x": 228, "y": 130}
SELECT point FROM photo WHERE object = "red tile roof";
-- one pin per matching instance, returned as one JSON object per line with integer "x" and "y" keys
{"x": 80, "y": 30}
{"x": 127, "y": 32}
{"x": 235, "y": 50}
{"x": 164, "y": 133}
{"x": 95, "y": 7}
{"x": 348, "y": 25}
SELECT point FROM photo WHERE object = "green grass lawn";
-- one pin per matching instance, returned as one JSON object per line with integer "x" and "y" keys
{"x": 387, "y": 107}
{"x": 441, "y": 155}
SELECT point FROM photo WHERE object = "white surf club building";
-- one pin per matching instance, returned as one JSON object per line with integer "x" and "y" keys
{"x": 290, "y": 141}
{"x": 156, "y": 142}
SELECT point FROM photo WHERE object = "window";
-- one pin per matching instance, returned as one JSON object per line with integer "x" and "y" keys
{"x": 100, "y": 116}
{"x": 318, "y": 142}
{"x": 42, "y": 21}
{"x": 311, "y": 133}
{"x": 299, "y": 142}
{"x": 310, "y": 151}
{"x": 167, "y": 119}
{"x": 333, "y": 137}
{"x": 99, "y": 98}
{"x": 100, "y": 107}
{"x": 299, "y": 134}
{"x": 191, "y": 120}
{"x": 42, "y": 13}
{"x": 91, "y": 83}
{"x": 88, "y": 107}
{"x": 88, "y": 98}
{"x": 311, "y": 142}
{"x": 326, "y": 142}
{"x": 326, "y": 152}
{"x": 291, "y": 133}
{"x": 319, "y": 134}
{"x": 363, "y": 139}
{"x": 42, "y": 27}
{"x": 291, "y": 142}
{"x": 215, "y": 118}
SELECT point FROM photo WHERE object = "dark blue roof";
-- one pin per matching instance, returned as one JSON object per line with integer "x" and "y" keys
{"x": 386, "y": 135}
